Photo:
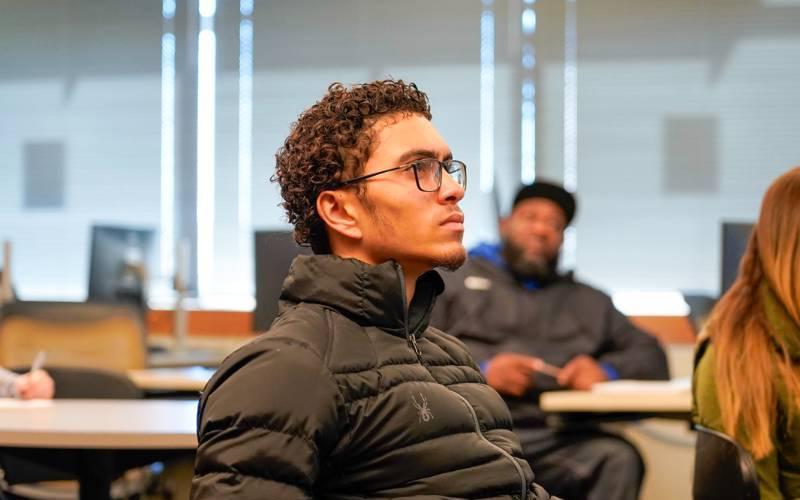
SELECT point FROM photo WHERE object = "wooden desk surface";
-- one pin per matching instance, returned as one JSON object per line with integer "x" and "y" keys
{"x": 98, "y": 424}
{"x": 171, "y": 379}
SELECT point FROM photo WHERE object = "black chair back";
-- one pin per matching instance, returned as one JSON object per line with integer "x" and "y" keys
{"x": 92, "y": 383}
{"x": 274, "y": 253}
{"x": 723, "y": 469}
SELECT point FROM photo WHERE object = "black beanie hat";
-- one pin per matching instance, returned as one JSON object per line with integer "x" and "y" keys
{"x": 550, "y": 191}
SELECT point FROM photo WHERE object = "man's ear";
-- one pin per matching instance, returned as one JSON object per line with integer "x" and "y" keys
{"x": 337, "y": 209}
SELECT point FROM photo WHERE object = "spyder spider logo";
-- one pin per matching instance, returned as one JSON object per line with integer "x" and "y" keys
{"x": 425, "y": 414}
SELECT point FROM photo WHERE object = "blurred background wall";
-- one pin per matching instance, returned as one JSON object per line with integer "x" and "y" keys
{"x": 666, "y": 117}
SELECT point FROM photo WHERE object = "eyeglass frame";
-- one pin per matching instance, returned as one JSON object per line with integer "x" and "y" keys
{"x": 413, "y": 164}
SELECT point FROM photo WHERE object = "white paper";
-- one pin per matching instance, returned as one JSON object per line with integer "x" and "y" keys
{"x": 20, "y": 404}
{"x": 674, "y": 386}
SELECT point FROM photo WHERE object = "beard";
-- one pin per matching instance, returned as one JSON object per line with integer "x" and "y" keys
{"x": 451, "y": 261}
{"x": 540, "y": 268}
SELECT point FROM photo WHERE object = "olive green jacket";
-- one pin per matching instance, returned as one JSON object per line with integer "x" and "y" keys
{"x": 778, "y": 472}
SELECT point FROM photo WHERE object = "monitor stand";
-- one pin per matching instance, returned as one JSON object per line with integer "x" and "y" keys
{"x": 179, "y": 283}
{"x": 6, "y": 293}
{"x": 180, "y": 322}
{"x": 179, "y": 353}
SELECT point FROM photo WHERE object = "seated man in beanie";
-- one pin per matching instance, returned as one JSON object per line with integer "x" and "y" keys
{"x": 350, "y": 394}
{"x": 533, "y": 330}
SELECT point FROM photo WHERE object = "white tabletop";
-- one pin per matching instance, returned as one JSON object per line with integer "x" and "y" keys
{"x": 590, "y": 402}
{"x": 97, "y": 424}
{"x": 623, "y": 396}
{"x": 171, "y": 379}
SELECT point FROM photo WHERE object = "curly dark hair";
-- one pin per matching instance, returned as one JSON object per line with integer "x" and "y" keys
{"x": 330, "y": 138}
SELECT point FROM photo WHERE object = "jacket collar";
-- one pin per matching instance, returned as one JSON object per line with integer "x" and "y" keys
{"x": 370, "y": 295}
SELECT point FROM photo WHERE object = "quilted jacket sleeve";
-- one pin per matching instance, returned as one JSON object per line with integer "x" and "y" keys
{"x": 266, "y": 421}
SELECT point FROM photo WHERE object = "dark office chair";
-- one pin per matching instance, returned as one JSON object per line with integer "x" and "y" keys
{"x": 92, "y": 383}
{"x": 27, "y": 475}
{"x": 274, "y": 253}
{"x": 700, "y": 307}
{"x": 723, "y": 470}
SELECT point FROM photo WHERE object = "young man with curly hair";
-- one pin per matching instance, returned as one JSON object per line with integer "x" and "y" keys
{"x": 350, "y": 394}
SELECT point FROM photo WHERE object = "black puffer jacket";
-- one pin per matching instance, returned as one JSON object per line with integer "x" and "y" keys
{"x": 335, "y": 401}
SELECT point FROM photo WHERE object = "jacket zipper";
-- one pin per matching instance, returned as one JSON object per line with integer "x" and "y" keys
{"x": 523, "y": 484}
{"x": 412, "y": 341}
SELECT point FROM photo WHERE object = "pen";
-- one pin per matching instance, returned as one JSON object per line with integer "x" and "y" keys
{"x": 38, "y": 361}
{"x": 546, "y": 368}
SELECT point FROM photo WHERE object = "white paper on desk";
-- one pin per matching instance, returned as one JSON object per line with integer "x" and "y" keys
{"x": 674, "y": 386}
{"x": 23, "y": 404}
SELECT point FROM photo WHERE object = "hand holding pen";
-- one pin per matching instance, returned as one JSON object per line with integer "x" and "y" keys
{"x": 38, "y": 361}
{"x": 541, "y": 366}
{"x": 581, "y": 373}
{"x": 36, "y": 384}
{"x": 514, "y": 374}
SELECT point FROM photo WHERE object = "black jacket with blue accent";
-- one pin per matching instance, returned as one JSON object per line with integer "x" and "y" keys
{"x": 348, "y": 396}
{"x": 492, "y": 313}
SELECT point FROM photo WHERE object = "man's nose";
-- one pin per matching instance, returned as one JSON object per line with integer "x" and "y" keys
{"x": 450, "y": 190}
{"x": 540, "y": 228}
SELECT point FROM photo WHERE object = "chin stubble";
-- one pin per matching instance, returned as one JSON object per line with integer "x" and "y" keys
{"x": 452, "y": 261}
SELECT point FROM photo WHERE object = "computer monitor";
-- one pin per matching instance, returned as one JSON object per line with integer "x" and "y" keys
{"x": 120, "y": 260}
{"x": 274, "y": 253}
{"x": 735, "y": 236}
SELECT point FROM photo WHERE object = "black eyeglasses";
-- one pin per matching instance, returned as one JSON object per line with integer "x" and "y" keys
{"x": 427, "y": 172}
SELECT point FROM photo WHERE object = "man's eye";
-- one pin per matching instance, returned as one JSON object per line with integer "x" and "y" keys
{"x": 417, "y": 165}
{"x": 426, "y": 164}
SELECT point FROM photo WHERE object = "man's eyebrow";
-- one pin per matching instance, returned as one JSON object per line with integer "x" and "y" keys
{"x": 414, "y": 154}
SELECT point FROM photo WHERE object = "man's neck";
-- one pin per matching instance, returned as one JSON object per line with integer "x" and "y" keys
{"x": 410, "y": 279}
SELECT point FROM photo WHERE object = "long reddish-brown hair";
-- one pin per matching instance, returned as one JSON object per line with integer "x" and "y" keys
{"x": 750, "y": 362}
